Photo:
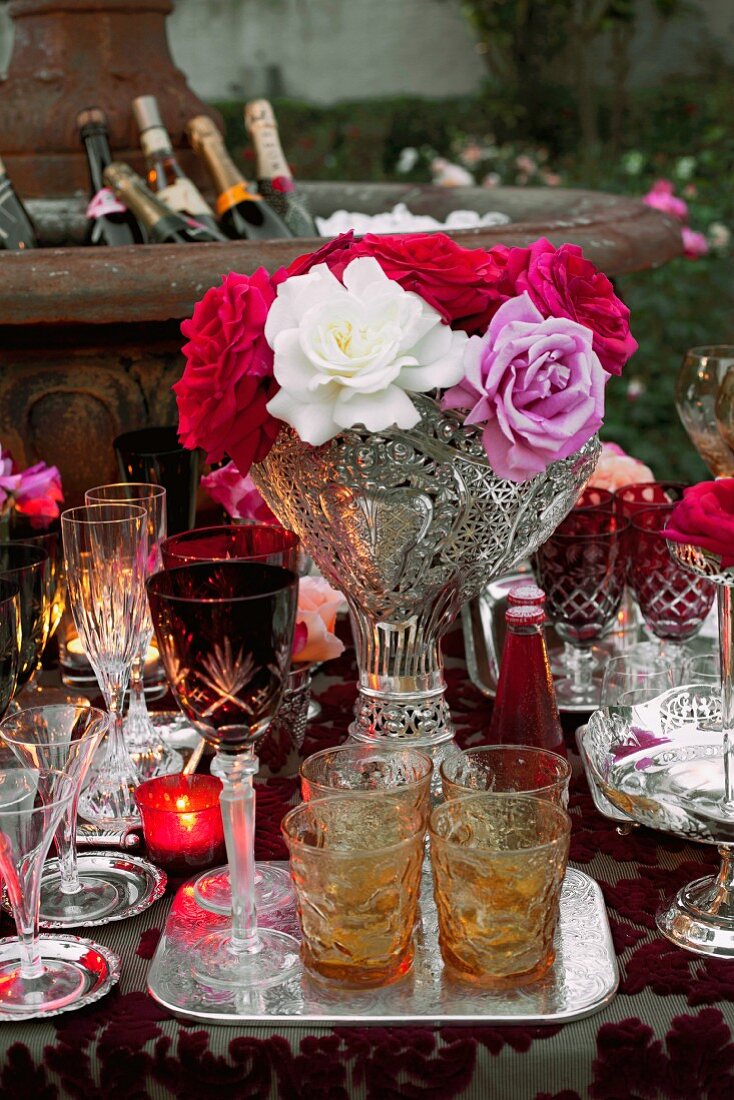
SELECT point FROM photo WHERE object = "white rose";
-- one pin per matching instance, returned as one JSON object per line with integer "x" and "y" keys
{"x": 350, "y": 354}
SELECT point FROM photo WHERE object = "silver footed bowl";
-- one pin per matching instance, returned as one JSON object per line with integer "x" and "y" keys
{"x": 409, "y": 525}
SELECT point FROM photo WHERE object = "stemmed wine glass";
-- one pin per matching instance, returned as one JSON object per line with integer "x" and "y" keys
{"x": 581, "y": 568}
{"x": 225, "y": 631}
{"x": 703, "y": 400}
{"x": 674, "y": 602}
{"x": 269, "y": 545}
{"x": 64, "y": 738}
{"x": 27, "y": 566}
{"x": 9, "y": 641}
{"x": 105, "y": 552}
{"x": 149, "y": 752}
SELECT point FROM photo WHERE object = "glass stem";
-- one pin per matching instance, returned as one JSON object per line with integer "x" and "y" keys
{"x": 137, "y": 711}
{"x": 66, "y": 847}
{"x": 23, "y": 892}
{"x": 727, "y": 689}
{"x": 580, "y": 663}
{"x": 238, "y": 817}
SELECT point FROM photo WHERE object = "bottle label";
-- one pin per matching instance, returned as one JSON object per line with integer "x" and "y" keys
{"x": 271, "y": 163}
{"x": 233, "y": 195}
{"x": 104, "y": 203}
{"x": 155, "y": 140}
{"x": 184, "y": 196}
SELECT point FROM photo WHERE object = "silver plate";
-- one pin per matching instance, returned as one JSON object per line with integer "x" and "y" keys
{"x": 602, "y": 803}
{"x": 99, "y": 966}
{"x": 141, "y": 882}
{"x": 582, "y": 980}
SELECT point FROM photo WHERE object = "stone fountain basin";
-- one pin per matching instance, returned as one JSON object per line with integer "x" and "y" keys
{"x": 90, "y": 340}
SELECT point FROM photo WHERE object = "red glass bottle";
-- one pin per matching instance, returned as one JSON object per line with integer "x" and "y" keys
{"x": 525, "y": 709}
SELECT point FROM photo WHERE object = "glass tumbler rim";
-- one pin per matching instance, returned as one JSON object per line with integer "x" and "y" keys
{"x": 7, "y": 723}
{"x": 322, "y": 753}
{"x": 656, "y": 511}
{"x": 355, "y": 798}
{"x": 710, "y": 351}
{"x": 534, "y": 750}
{"x": 174, "y": 545}
{"x": 618, "y": 524}
{"x": 155, "y": 581}
{"x": 79, "y": 514}
{"x": 498, "y": 797}
{"x": 37, "y": 556}
{"x": 127, "y": 440}
{"x": 143, "y": 792}
{"x": 152, "y": 490}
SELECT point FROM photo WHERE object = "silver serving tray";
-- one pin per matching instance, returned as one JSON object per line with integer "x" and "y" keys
{"x": 582, "y": 980}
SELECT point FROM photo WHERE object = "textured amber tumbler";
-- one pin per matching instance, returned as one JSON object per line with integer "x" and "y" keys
{"x": 498, "y": 865}
{"x": 400, "y": 774}
{"x": 356, "y": 865}
{"x": 507, "y": 769}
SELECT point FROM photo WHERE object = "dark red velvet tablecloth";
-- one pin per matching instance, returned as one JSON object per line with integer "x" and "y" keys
{"x": 668, "y": 1033}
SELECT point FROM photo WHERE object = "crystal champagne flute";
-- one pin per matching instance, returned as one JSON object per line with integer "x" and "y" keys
{"x": 148, "y": 750}
{"x": 225, "y": 631}
{"x": 105, "y": 552}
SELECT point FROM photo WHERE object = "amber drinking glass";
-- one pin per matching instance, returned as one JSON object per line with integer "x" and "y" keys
{"x": 403, "y": 775}
{"x": 356, "y": 864}
{"x": 507, "y": 769}
{"x": 498, "y": 866}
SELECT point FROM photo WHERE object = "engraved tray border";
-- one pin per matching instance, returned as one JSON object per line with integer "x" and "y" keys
{"x": 582, "y": 980}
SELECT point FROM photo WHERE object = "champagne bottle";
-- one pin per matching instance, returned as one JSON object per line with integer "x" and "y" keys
{"x": 163, "y": 225}
{"x": 109, "y": 222}
{"x": 274, "y": 177}
{"x": 16, "y": 229}
{"x": 165, "y": 175}
{"x": 241, "y": 214}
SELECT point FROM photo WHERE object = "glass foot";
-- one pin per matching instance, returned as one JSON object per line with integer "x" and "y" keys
{"x": 58, "y": 984}
{"x": 700, "y": 918}
{"x": 217, "y": 962}
{"x": 94, "y": 900}
{"x": 114, "y": 887}
{"x": 273, "y": 889}
{"x": 76, "y": 972}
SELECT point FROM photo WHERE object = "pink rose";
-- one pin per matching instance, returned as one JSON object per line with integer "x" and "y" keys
{"x": 318, "y": 604}
{"x": 615, "y": 469}
{"x": 537, "y": 386}
{"x": 695, "y": 244}
{"x": 228, "y": 378}
{"x": 237, "y": 495}
{"x": 660, "y": 197}
{"x": 561, "y": 283}
{"x": 462, "y": 284}
{"x": 705, "y": 518}
{"x": 39, "y": 493}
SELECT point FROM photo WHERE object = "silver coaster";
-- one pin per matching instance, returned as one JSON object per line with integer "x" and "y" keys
{"x": 138, "y": 882}
{"x": 99, "y": 967}
{"x": 583, "y": 978}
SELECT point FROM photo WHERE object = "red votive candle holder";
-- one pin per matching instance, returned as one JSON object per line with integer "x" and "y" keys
{"x": 182, "y": 822}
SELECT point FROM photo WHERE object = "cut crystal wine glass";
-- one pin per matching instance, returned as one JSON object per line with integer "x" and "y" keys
{"x": 225, "y": 631}
{"x": 105, "y": 553}
{"x": 148, "y": 750}
{"x": 269, "y": 545}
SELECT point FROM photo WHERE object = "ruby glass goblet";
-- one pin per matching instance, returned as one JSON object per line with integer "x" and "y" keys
{"x": 225, "y": 631}
{"x": 269, "y": 545}
{"x": 581, "y": 568}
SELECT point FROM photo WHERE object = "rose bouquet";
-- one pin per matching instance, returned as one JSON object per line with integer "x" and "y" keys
{"x": 423, "y": 415}
{"x": 521, "y": 340}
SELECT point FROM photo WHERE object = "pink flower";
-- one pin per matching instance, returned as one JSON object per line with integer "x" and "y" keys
{"x": 615, "y": 468}
{"x": 535, "y": 383}
{"x": 318, "y": 604}
{"x": 39, "y": 493}
{"x": 561, "y": 283}
{"x": 9, "y": 481}
{"x": 695, "y": 244}
{"x": 705, "y": 518}
{"x": 462, "y": 284}
{"x": 660, "y": 197}
{"x": 228, "y": 378}
{"x": 238, "y": 495}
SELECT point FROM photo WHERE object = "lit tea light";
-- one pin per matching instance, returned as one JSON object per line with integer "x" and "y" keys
{"x": 182, "y": 822}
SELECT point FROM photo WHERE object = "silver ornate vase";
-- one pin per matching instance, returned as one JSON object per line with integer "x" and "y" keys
{"x": 409, "y": 525}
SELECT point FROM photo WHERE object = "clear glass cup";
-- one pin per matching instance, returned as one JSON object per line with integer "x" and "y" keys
{"x": 636, "y": 676}
{"x": 10, "y": 638}
{"x": 32, "y": 803}
{"x": 498, "y": 866}
{"x": 507, "y": 769}
{"x": 225, "y": 632}
{"x": 400, "y": 774}
{"x": 356, "y": 864}
{"x": 105, "y": 555}
{"x": 150, "y": 754}
{"x": 703, "y": 401}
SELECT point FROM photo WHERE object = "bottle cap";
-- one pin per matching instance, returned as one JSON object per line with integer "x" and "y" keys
{"x": 524, "y": 615}
{"x": 91, "y": 116}
{"x": 526, "y": 592}
{"x": 146, "y": 113}
{"x": 201, "y": 129}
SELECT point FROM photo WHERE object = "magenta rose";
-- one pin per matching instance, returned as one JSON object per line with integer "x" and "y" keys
{"x": 238, "y": 495}
{"x": 562, "y": 283}
{"x": 695, "y": 244}
{"x": 462, "y": 284}
{"x": 705, "y": 518}
{"x": 537, "y": 386}
{"x": 228, "y": 378}
{"x": 660, "y": 197}
{"x": 39, "y": 493}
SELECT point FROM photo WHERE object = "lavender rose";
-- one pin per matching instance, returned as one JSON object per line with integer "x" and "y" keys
{"x": 537, "y": 386}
